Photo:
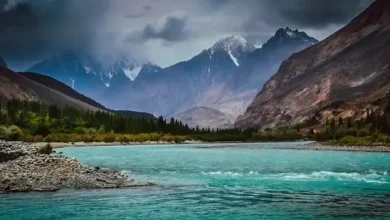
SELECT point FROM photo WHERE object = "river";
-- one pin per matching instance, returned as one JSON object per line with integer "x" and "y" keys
{"x": 228, "y": 181}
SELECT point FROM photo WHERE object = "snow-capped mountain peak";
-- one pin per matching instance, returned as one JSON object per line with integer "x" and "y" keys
{"x": 287, "y": 34}
{"x": 236, "y": 46}
{"x": 234, "y": 43}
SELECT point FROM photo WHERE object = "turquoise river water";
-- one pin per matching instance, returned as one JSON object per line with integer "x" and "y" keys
{"x": 230, "y": 181}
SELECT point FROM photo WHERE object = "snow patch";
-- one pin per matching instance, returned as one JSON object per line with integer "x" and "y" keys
{"x": 233, "y": 58}
{"x": 73, "y": 81}
{"x": 290, "y": 33}
{"x": 87, "y": 69}
{"x": 233, "y": 43}
{"x": 107, "y": 84}
{"x": 110, "y": 75}
{"x": 132, "y": 73}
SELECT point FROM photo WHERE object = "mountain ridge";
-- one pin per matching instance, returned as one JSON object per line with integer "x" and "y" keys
{"x": 89, "y": 75}
{"x": 348, "y": 67}
{"x": 16, "y": 86}
{"x": 232, "y": 96}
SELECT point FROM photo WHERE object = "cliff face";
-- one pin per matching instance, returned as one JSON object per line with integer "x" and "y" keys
{"x": 349, "y": 70}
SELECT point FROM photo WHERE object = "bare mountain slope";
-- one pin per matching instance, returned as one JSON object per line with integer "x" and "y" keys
{"x": 61, "y": 87}
{"x": 350, "y": 68}
{"x": 16, "y": 86}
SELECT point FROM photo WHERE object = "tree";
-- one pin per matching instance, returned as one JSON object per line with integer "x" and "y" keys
{"x": 341, "y": 122}
{"x": 349, "y": 123}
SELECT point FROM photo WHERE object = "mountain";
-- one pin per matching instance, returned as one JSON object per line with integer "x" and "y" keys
{"x": 61, "y": 87}
{"x": 88, "y": 75}
{"x": 265, "y": 61}
{"x": 2, "y": 63}
{"x": 64, "y": 89}
{"x": 16, "y": 86}
{"x": 232, "y": 97}
{"x": 176, "y": 88}
{"x": 204, "y": 117}
{"x": 340, "y": 76}
{"x": 221, "y": 80}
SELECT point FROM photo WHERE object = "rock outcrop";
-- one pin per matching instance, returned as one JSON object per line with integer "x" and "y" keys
{"x": 23, "y": 169}
{"x": 348, "y": 71}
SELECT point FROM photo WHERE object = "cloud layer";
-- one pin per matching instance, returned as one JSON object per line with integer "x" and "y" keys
{"x": 162, "y": 31}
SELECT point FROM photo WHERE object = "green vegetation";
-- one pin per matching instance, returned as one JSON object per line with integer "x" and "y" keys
{"x": 374, "y": 129}
{"x": 36, "y": 122}
{"x": 47, "y": 149}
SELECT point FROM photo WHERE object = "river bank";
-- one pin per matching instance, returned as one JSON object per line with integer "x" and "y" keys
{"x": 307, "y": 146}
{"x": 24, "y": 168}
{"x": 96, "y": 144}
{"x": 315, "y": 146}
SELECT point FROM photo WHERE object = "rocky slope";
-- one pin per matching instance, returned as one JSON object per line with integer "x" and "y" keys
{"x": 16, "y": 86}
{"x": 341, "y": 75}
{"x": 23, "y": 169}
{"x": 61, "y": 87}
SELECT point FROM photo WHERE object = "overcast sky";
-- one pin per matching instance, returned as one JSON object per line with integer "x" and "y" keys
{"x": 161, "y": 31}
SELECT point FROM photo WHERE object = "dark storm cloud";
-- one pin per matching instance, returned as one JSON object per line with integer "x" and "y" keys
{"x": 170, "y": 29}
{"x": 314, "y": 14}
{"x": 31, "y": 30}
{"x": 30, "y": 33}
{"x": 318, "y": 14}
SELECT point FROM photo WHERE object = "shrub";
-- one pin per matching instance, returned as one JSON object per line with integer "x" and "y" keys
{"x": 122, "y": 138}
{"x": 349, "y": 140}
{"x": 47, "y": 149}
{"x": 38, "y": 138}
{"x": 29, "y": 138}
{"x": 362, "y": 133}
{"x": 179, "y": 139}
{"x": 109, "y": 138}
{"x": 14, "y": 133}
{"x": 3, "y": 132}
{"x": 80, "y": 130}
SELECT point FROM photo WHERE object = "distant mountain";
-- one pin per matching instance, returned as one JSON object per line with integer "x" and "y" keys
{"x": 2, "y": 63}
{"x": 204, "y": 117}
{"x": 177, "y": 87}
{"x": 66, "y": 90}
{"x": 88, "y": 75}
{"x": 17, "y": 86}
{"x": 338, "y": 77}
{"x": 232, "y": 96}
